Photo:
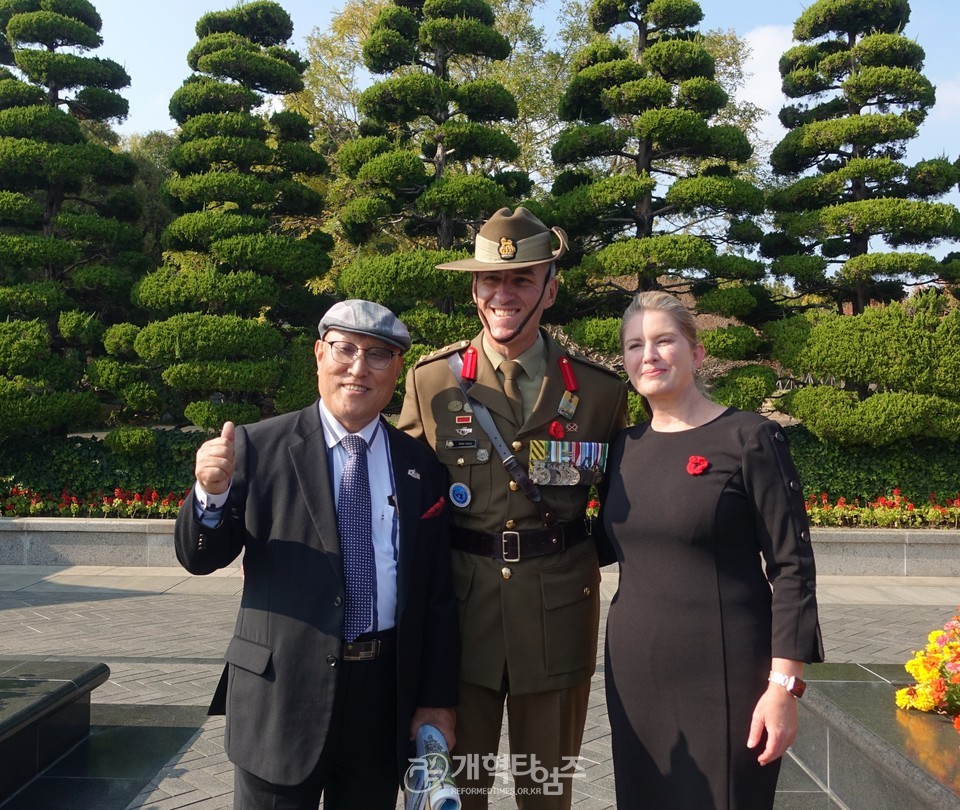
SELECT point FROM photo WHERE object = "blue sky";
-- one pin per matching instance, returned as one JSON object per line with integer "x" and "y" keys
{"x": 151, "y": 40}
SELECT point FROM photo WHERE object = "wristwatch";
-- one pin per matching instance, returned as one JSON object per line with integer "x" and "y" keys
{"x": 794, "y": 685}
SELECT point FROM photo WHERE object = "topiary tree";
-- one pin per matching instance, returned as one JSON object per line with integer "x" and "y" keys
{"x": 429, "y": 157}
{"x": 651, "y": 183}
{"x": 905, "y": 355}
{"x": 69, "y": 252}
{"x": 244, "y": 245}
{"x": 860, "y": 97}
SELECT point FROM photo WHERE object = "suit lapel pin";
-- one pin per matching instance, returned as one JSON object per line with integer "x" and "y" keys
{"x": 414, "y": 474}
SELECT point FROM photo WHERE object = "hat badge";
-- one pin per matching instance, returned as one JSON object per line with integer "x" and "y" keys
{"x": 507, "y": 249}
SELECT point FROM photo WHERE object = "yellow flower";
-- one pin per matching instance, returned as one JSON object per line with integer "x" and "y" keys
{"x": 904, "y": 698}
{"x": 936, "y": 670}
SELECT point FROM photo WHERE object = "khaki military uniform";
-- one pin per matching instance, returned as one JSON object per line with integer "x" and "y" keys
{"x": 529, "y": 626}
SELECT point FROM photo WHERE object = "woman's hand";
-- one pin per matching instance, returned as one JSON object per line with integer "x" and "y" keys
{"x": 776, "y": 713}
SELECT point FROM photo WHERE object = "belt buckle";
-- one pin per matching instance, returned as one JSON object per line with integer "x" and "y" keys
{"x": 503, "y": 546}
{"x": 366, "y": 650}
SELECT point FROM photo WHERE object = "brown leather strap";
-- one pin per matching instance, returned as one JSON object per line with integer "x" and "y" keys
{"x": 517, "y": 546}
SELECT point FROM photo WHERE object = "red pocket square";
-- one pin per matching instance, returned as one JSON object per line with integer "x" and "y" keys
{"x": 434, "y": 510}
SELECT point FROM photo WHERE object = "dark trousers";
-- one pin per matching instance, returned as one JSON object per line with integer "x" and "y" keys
{"x": 358, "y": 766}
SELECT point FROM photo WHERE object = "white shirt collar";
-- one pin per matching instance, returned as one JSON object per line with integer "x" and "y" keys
{"x": 334, "y": 432}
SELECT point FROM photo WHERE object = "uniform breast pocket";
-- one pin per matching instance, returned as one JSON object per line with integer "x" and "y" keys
{"x": 469, "y": 464}
{"x": 571, "y": 613}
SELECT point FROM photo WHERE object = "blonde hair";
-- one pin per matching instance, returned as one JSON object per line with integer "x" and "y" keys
{"x": 665, "y": 302}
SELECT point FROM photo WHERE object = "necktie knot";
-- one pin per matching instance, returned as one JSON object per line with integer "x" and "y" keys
{"x": 511, "y": 370}
{"x": 354, "y": 443}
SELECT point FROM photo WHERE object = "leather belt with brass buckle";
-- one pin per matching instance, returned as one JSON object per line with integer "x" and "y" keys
{"x": 513, "y": 546}
{"x": 505, "y": 539}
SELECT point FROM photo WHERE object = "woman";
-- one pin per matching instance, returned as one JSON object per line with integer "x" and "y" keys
{"x": 694, "y": 497}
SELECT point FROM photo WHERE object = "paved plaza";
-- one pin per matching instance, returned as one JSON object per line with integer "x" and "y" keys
{"x": 162, "y": 632}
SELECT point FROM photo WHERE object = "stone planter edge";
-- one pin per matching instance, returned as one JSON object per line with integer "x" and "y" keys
{"x": 136, "y": 542}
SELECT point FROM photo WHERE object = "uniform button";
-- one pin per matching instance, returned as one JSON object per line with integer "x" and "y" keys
{"x": 587, "y": 591}
{"x": 805, "y": 536}
{"x": 338, "y": 601}
{"x": 460, "y": 462}
{"x": 511, "y": 524}
{"x": 795, "y": 485}
{"x": 514, "y": 486}
{"x": 331, "y": 660}
{"x": 811, "y": 586}
{"x": 779, "y": 436}
{"x": 506, "y": 573}
{"x": 517, "y": 446}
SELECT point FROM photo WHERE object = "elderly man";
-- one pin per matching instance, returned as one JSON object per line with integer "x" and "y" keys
{"x": 523, "y": 428}
{"x": 346, "y": 640}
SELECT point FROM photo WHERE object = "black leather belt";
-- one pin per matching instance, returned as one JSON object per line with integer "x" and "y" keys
{"x": 516, "y": 546}
{"x": 369, "y": 646}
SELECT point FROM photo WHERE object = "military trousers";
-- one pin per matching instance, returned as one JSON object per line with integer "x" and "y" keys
{"x": 545, "y": 731}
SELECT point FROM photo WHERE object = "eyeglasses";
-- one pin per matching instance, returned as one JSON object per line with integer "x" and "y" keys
{"x": 347, "y": 353}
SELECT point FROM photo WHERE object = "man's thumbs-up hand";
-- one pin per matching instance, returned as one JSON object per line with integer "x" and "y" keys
{"x": 215, "y": 461}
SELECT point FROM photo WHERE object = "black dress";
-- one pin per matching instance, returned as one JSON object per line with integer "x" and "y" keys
{"x": 694, "y": 624}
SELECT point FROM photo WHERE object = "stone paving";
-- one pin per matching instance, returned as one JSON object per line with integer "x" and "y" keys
{"x": 163, "y": 632}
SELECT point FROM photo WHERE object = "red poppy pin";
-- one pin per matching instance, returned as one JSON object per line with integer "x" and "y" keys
{"x": 697, "y": 465}
{"x": 556, "y": 430}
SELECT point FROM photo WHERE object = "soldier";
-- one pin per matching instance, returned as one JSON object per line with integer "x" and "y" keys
{"x": 522, "y": 441}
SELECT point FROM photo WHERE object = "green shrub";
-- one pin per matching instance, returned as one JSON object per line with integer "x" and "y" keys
{"x": 22, "y": 345}
{"x": 195, "y": 336}
{"x": 298, "y": 376}
{"x": 26, "y": 410}
{"x": 86, "y": 466}
{"x": 636, "y": 412}
{"x": 431, "y": 327}
{"x": 788, "y": 338}
{"x": 746, "y": 387}
{"x": 730, "y": 342}
{"x": 601, "y": 334}
{"x": 81, "y": 328}
{"x": 730, "y": 302}
{"x": 881, "y": 419}
{"x": 140, "y": 398}
{"x": 212, "y": 415}
{"x": 32, "y": 300}
{"x": 131, "y": 440}
{"x": 237, "y": 376}
{"x": 918, "y": 467}
{"x": 119, "y": 340}
{"x": 404, "y": 280}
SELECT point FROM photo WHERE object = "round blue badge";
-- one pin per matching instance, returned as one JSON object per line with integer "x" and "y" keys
{"x": 460, "y": 495}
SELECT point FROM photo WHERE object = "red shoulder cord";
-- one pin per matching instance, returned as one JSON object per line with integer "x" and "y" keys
{"x": 469, "y": 371}
{"x": 566, "y": 371}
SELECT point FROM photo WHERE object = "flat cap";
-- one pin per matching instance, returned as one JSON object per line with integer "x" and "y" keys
{"x": 366, "y": 318}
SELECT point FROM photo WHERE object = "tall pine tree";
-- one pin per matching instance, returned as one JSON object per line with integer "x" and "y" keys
{"x": 68, "y": 251}
{"x": 239, "y": 319}
{"x": 860, "y": 98}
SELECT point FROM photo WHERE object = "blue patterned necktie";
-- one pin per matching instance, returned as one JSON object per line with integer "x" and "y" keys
{"x": 354, "y": 522}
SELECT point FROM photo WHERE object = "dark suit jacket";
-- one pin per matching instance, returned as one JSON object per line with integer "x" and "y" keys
{"x": 282, "y": 661}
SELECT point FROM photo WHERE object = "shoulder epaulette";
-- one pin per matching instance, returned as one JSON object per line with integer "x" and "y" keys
{"x": 444, "y": 352}
{"x": 575, "y": 358}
